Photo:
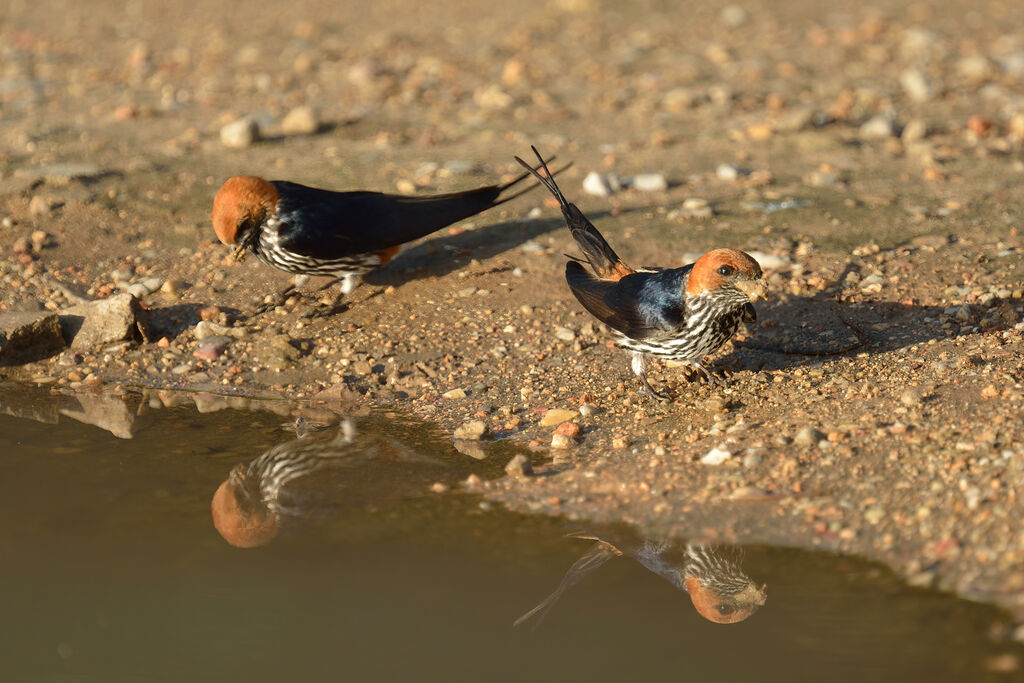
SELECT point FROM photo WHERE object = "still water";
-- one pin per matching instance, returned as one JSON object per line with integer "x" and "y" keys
{"x": 172, "y": 537}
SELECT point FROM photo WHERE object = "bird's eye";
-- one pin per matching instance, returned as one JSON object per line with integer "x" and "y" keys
{"x": 726, "y": 270}
{"x": 725, "y": 609}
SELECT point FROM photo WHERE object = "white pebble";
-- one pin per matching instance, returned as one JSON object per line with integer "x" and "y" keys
{"x": 240, "y": 133}
{"x": 770, "y": 261}
{"x": 716, "y": 456}
{"x": 601, "y": 185}
{"x": 877, "y": 128}
{"x": 727, "y": 172}
{"x": 649, "y": 182}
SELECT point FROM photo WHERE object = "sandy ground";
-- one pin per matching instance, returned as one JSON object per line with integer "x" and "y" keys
{"x": 872, "y": 160}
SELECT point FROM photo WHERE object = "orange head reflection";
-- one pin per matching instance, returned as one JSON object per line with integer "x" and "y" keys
{"x": 725, "y": 609}
{"x": 239, "y": 514}
{"x": 718, "y": 588}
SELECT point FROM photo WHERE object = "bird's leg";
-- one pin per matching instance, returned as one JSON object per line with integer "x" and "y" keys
{"x": 713, "y": 379}
{"x": 639, "y": 364}
{"x": 282, "y": 296}
{"x": 349, "y": 282}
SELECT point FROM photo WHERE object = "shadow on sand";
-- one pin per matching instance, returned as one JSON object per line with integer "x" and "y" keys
{"x": 798, "y": 331}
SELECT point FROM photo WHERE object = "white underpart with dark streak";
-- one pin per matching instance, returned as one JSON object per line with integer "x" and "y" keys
{"x": 348, "y": 268}
{"x": 716, "y": 314}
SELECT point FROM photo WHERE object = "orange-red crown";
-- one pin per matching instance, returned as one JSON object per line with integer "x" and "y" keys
{"x": 705, "y": 275}
{"x": 240, "y": 199}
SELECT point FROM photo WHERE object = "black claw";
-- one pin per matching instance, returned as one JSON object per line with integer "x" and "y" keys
{"x": 278, "y": 300}
{"x": 713, "y": 379}
{"x": 325, "y": 311}
{"x": 651, "y": 393}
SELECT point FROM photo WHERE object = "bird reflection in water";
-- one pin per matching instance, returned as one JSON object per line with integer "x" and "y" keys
{"x": 711, "y": 575}
{"x": 390, "y": 463}
{"x": 248, "y": 505}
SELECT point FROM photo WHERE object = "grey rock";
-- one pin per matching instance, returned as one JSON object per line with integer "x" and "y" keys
{"x": 474, "y": 430}
{"x": 31, "y": 336}
{"x": 116, "y": 318}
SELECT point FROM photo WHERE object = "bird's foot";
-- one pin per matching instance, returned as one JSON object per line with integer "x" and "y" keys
{"x": 326, "y": 311}
{"x": 278, "y": 300}
{"x": 651, "y": 393}
{"x": 713, "y": 378}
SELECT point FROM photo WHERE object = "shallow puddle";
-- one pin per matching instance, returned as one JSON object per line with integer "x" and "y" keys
{"x": 114, "y": 569}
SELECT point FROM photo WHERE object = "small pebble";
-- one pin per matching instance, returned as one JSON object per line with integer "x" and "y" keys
{"x": 565, "y": 334}
{"x": 910, "y": 397}
{"x": 877, "y": 128}
{"x": 728, "y": 172}
{"x": 649, "y": 182}
{"x": 209, "y": 351}
{"x": 569, "y": 429}
{"x": 561, "y": 441}
{"x": 716, "y": 456}
{"x": 808, "y": 436}
{"x": 300, "y": 121}
{"x": 519, "y": 466}
{"x": 240, "y": 134}
{"x": 601, "y": 184}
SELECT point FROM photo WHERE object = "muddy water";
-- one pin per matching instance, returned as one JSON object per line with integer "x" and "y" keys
{"x": 114, "y": 570}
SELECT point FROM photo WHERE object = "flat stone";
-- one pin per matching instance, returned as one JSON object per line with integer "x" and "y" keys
{"x": 557, "y": 416}
{"x": 29, "y": 336}
{"x": 61, "y": 174}
{"x": 116, "y": 318}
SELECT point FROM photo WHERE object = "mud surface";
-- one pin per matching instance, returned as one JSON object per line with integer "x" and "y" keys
{"x": 871, "y": 160}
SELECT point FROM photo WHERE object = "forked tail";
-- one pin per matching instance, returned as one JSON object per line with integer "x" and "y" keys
{"x": 597, "y": 252}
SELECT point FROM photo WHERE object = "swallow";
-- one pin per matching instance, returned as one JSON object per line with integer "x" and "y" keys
{"x": 310, "y": 231}
{"x": 681, "y": 314}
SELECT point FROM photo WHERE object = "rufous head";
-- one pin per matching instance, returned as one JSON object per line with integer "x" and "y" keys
{"x": 724, "y": 609}
{"x": 723, "y": 267}
{"x": 242, "y": 203}
{"x": 243, "y": 522}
